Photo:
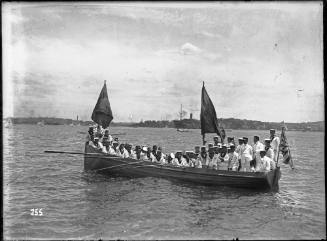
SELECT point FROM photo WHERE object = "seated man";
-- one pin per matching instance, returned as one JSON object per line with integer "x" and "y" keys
{"x": 90, "y": 136}
{"x": 212, "y": 161}
{"x": 197, "y": 161}
{"x": 203, "y": 156}
{"x": 144, "y": 154}
{"x": 158, "y": 157}
{"x": 268, "y": 149}
{"x": 122, "y": 152}
{"x": 216, "y": 140}
{"x": 114, "y": 148}
{"x": 137, "y": 153}
{"x": 174, "y": 160}
{"x": 263, "y": 162}
{"x": 97, "y": 144}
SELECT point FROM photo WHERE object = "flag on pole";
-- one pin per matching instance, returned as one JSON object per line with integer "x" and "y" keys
{"x": 284, "y": 149}
{"x": 102, "y": 113}
{"x": 208, "y": 117}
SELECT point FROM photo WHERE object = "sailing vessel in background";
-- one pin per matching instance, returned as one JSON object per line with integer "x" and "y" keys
{"x": 179, "y": 124}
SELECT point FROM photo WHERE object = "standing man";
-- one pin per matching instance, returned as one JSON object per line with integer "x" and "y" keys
{"x": 257, "y": 147}
{"x": 274, "y": 143}
{"x": 247, "y": 154}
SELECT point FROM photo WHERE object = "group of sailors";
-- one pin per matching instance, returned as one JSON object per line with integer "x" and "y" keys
{"x": 258, "y": 157}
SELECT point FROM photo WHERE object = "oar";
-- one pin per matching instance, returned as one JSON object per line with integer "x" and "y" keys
{"x": 82, "y": 153}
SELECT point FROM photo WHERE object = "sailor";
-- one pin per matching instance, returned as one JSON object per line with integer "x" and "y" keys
{"x": 137, "y": 153}
{"x": 246, "y": 156}
{"x": 216, "y": 150}
{"x": 99, "y": 130}
{"x": 182, "y": 160}
{"x": 230, "y": 157}
{"x": 174, "y": 161}
{"x": 148, "y": 154}
{"x": 216, "y": 140}
{"x": 203, "y": 156}
{"x": 239, "y": 150}
{"x": 263, "y": 162}
{"x": 144, "y": 155}
{"x": 197, "y": 161}
{"x": 97, "y": 144}
{"x": 90, "y": 136}
{"x": 274, "y": 143}
{"x": 233, "y": 158}
{"x": 129, "y": 148}
{"x": 230, "y": 140}
{"x": 257, "y": 147}
{"x": 268, "y": 149}
{"x": 223, "y": 157}
{"x": 160, "y": 157}
{"x": 154, "y": 150}
{"x": 114, "y": 147}
{"x": 212, "y": 160}
{"x": 122, "y": 152}
{"x": 191, "y": 160}
{"x": 197, "y": 149}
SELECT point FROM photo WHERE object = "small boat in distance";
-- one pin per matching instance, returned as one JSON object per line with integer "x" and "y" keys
{"x": 95, "y": 160}
{"x": 40, "y": 123}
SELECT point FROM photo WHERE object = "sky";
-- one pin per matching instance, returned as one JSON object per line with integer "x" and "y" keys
{"x": 259, "y": 61}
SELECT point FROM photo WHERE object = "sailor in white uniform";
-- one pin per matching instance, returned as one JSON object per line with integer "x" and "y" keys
{"x": 212, "y": 160}
{"x": 246, "y": 156}
{"x": 122, "y": 152}
{"x": 275, "y": 141}
{"x": 263, "y": 162}
{"x": 257, "y": 147}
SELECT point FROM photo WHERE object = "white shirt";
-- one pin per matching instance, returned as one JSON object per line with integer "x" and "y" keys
{"x": 184, "y": 162}
{"x": 234, "y": 160}
{"x": 153, "y": 157}
{"x": 212, "y": 162}
{"x": 175, "y": 162}
{"x": 144, "y": 157}
{"x": 247, "y": 151}
{"x": 257, "y": 147}
{"x": 239, "y": 150}
{"x": 203, "y": 160}
{"x": 124, "y": 154}
{"x": 197, "y": 163}
{"x": 270, "y": 153}
{"x": 263, "y": 164}
{"x": 275, "y": 143}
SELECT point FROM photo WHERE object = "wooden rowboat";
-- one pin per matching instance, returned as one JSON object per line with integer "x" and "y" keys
{"x": 109, "y": 164}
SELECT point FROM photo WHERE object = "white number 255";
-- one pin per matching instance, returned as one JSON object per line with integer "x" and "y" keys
{"x": 36, "y": 212}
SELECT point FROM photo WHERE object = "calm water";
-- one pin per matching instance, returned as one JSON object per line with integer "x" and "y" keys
{"x": 80, "y": 205}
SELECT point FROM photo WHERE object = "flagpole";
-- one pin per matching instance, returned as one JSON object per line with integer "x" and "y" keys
{"x": 203, "y": 139}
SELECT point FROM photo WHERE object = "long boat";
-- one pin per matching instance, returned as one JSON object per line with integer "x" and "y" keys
{"x": 95, "y": 160}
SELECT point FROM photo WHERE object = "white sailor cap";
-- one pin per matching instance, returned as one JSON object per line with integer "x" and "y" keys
{"x": 230, "y": 145}
{"x": 216, "y": 137}
{"x": 267, "y": 140}
{"x": 224, "y": 145}
{"x": 273, "y": 130}
{"x": 96, "y": 138}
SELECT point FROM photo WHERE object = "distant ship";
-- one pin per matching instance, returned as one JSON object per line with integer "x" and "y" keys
{"x": 40, "y": 123}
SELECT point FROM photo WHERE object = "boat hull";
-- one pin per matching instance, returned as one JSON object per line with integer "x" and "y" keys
{"x": 113, "y": 165}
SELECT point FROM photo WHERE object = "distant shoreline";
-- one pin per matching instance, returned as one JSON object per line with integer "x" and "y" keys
{"x": 228, "y": 124}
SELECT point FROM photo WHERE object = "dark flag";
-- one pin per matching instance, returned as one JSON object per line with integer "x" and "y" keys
{"x": 284, "y": 149}
{"x": 102, "y": 114}
{"x": 208, "y": 117}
